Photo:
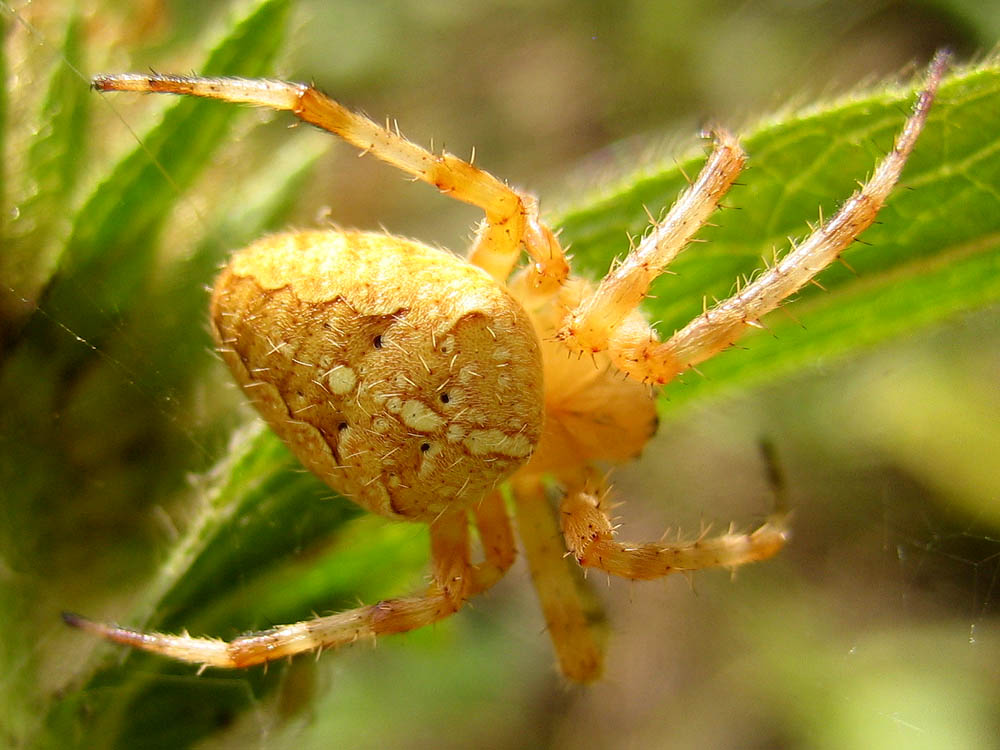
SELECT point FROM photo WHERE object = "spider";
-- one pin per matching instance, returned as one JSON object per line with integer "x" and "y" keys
{"x": 415, "y": 382}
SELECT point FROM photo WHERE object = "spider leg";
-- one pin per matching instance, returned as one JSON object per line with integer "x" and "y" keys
{"x": 589, "y": 536}
{"x": 453, "y": 580}
{"x": 590, "y": 327}
{"x": 633, "y": 346}
{"x": 572, "y": 615}
{"x": 511, "y": 217}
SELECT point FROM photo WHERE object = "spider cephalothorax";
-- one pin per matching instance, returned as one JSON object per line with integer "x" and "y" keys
{"x": 415, "y": 382}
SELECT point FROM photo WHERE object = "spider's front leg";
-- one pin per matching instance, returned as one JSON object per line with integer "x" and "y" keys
{"x": 454, "y": 580}
{"x": 608, "y": 320}
{"x": 589, "y": 536}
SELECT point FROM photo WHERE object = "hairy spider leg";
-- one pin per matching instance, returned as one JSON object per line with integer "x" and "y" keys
{"x": 511, "y": 217}
{"x": 588, "y": 533}
{"x": 454, "y": 579}
{"x": 634, "y": 348}
{"x": 590, "y": 326}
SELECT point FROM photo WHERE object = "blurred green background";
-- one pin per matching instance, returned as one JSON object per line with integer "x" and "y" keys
{"x": 876, "y": 628}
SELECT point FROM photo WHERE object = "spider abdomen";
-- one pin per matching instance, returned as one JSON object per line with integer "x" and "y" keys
{"x": 405, "y": 378}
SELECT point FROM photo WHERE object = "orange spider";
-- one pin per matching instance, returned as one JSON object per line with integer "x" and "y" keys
{"x": 415, "y": 383}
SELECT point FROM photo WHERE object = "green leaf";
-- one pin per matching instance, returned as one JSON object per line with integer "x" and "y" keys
{"x": 55, "y": 159}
